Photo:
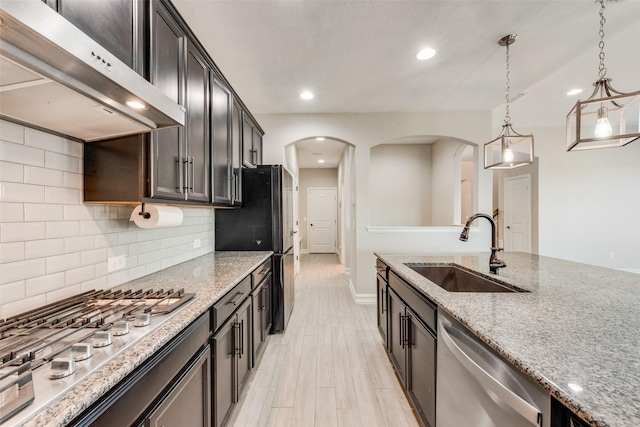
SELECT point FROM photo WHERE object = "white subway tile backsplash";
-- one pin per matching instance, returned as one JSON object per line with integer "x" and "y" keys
{"x": 62, "y": 262}
{"x": 42, "y": 176}
{"x": 67, "y": 196}
{"x": 57, "y": 229}
{"x": 11, "y": 252}
{"x": 25, "y": 193}
{"x": 62, "y": 162}
{"x": 43, "y": 284}
{"x": 17, "y": 153}
{"x": 78, "y": 244}
{"x": 92, "y": 257}
{"x": 72, "y": 148}
{"x": 43, "y": 212}
{"x": 79, "y": 275}
{"x": 21, "y": 231}
{"x": 52, "y": 245}
{"x": 11, "y": 172}
{"x": 11, "y": 132}
{"x": 11, "y": 212}
{"x": 11, "y": 292}
{"x": 78, "y": 212}
{"x": 72, "y": 180}
{"x": 43, "y": 248}
{"x": 14, "y": 271}
{"x": 43, "y": 140}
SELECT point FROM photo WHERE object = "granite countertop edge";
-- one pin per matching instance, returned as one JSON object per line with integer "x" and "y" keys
{"x": 535, "y": 274}
{"x": 209, "y": 276}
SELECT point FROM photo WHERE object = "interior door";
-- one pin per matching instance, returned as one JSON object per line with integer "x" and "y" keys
{"x": 517, "y": 213}
{"x": 323, "y": 214}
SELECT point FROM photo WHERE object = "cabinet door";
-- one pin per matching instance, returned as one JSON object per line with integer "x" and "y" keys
{"x": 188, "y": 404}
{"x": 256, "y": 323}
{"x": 382, "y": 307}
{"x": 243, "y": 327}
{"x": 397, "y": 333}
{"x": 114, "y": 24}
{"x": 248, "y": 156}
{"x": 236, "y": 154}
{"x": 167, "y": 53}
{"x": 221, "y": 141}
{"x": 257, "y": 146}
{"x": 421, "y": 370}
{"x": 197, "y": 158}
{"x": 224, "y": 379}
{"x": 266, "y": 306}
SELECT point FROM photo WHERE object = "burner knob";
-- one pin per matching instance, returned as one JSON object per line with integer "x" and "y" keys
{"x": 81, "y": 351}
{"x": 121, "y": 327}
{"x": 62, "y": 367}
{"x": 102, "y": 339}
{"x": 142, "y": 319}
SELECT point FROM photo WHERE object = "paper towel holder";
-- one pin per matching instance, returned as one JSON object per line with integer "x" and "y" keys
{"x": 145, "y": 215}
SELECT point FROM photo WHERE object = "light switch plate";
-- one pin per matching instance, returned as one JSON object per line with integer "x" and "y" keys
{"x": 116, "y": 263}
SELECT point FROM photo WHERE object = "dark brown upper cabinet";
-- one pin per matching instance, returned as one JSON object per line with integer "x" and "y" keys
{"x": 236, "y": 153}
{"x": 221, "y": 129}
{"x": 251, "y": 142}
{"x": 117, "y": 25}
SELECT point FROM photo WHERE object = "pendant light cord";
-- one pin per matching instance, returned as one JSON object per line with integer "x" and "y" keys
{"x": 507, "y": 117}
{"x": 602, "y": 69}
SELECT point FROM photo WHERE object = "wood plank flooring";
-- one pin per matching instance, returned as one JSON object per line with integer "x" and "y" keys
{"x": 329, "y": 368}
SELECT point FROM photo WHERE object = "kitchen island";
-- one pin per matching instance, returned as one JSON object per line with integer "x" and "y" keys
{"x": 575, "y": 332}
{"x": 210, "y": 277}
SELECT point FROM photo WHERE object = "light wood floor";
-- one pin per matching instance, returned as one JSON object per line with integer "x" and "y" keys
{"x": 329, "y": 368}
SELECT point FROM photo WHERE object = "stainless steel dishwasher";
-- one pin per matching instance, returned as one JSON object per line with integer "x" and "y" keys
{"x": 476, "y": 387}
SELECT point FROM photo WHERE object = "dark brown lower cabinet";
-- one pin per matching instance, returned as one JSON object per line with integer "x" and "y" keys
{"x": 188, "y": 404}
{"x": 412, "y": 350}
{"x": 261, "y": 300}
{"x": 382, "y": 306}
{"x": 232, "y": 362}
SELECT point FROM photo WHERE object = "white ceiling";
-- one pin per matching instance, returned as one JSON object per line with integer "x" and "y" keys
{"x": 359, "y": 56}
{"x": 310, "y": 151}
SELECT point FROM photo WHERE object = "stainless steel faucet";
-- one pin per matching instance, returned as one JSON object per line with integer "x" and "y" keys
{"x": 495, "y": 263}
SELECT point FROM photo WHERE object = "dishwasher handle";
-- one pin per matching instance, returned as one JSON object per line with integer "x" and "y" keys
{"x": 488, "y": 382}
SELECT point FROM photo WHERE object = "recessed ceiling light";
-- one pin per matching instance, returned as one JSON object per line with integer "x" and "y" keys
{"x": 425, "y": 54}
{"x": 306, "y": 95}
{"x": 319, "y": 138}
{"x": 574, "y": 92}
{"x": 320, "y": 161}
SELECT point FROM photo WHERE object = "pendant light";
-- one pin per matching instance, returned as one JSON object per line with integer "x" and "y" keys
{"x": 608, "y": 118}
{"x": 510, "y": 149}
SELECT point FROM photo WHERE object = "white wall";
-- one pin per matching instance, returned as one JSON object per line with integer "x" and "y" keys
{"x": 312, "y": 177}
{"x": 589, "y": 202}
{"x": 52, "y": 245}
{"x": 365, "y": 131}
{"x": 400, "y": 183}
{"x": 446, "y": 174}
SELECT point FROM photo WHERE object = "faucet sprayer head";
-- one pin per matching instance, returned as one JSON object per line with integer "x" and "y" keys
{"x": 464, "y": 236}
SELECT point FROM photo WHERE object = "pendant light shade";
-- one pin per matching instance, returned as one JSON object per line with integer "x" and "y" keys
{"x": 510, "y": 149}
{"x": 608, "y": 118}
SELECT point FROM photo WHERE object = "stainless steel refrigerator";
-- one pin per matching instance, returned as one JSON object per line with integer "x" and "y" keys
{"x": 264, "y": 222}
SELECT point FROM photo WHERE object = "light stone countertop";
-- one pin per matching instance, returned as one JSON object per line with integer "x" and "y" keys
{"x": 579, "y": 324}
{"x": 210, "y": 277}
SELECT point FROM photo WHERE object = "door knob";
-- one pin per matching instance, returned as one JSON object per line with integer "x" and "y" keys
{"x": 508, "y": 227}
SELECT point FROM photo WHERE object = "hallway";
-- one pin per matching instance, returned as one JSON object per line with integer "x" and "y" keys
{"x": 329, "y": 368}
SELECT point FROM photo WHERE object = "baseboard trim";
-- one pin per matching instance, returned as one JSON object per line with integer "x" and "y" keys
{"x": 362, "y": 299}
{"x": 347, "y": 271}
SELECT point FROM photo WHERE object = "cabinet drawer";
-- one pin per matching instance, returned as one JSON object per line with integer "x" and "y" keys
{"x": 230, "y": 302}
{"x": 423, "y": 308}
{"x": 381, "y": 268}
{"x": 261, "y": 272}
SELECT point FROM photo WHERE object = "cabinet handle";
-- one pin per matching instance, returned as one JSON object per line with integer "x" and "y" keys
{"x": 241, "y": 338}
{"x": 264, "y": 291}
{"x": 407, "y": 331}
{"x": 237, "y": 183}
{"x": 384, "y": 299}
{"x": 193, "y": 173}
{"x": 401, "y": 324}
{"x": 178, "y": 176}
{"x": 185, "y": 162}
{"x": 233, "y": 188}
{"x": 237, "y": 338}
{"x": 236, "y": 301}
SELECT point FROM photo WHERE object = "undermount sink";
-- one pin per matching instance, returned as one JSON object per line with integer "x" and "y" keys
{"x": 454, "y": 279}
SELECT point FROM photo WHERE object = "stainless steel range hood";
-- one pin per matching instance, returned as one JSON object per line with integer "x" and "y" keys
{"x": 56, "y": 78}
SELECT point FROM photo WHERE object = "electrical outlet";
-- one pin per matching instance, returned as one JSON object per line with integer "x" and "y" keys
{"x": 197, "y": 243}
{"x": 116, "y": 263}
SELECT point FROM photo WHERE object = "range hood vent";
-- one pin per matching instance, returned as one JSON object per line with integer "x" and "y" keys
{"x": 56, "y": 78}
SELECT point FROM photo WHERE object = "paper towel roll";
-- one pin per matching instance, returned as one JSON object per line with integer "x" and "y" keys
{"x": 160, "y": 216}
